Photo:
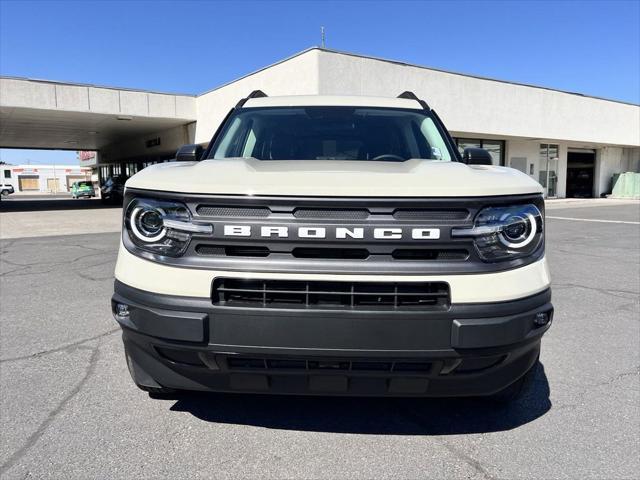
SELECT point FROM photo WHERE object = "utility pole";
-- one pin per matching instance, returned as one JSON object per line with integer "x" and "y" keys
{"x": 322, "y": 35}
{"x": 55, "y": 179}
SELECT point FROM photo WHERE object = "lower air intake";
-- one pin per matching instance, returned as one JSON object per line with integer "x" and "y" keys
{"x": 234, "y": 292}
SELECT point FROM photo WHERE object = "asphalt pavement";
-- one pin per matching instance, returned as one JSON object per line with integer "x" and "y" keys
{"x": 69, "y": 409}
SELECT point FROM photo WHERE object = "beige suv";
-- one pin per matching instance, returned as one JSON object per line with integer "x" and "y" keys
{"x": 332, "y": 245}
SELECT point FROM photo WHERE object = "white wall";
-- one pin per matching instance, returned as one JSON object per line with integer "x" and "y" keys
{"x": 474, "y": 105}
{"x": 631, "y": 160}
{"x": 609, "y": 160}
{"x": 41, "y": 94}
{"x": 524, "y": 149}
{"x": 530, "y": 149}
{"x": 44, "y": 172}
{"x": 295, "y": 76}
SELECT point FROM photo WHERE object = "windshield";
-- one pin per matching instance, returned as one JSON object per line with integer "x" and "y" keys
{"x": 330, "y": 133}
{"x": 84, "y": 184}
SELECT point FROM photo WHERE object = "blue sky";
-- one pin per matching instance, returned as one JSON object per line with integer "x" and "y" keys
{"x": 589, "y": 47}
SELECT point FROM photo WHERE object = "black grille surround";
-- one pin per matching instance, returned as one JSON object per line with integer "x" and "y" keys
{"x": 368, "y": 255}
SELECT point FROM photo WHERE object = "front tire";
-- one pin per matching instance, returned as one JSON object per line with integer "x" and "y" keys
{"x": 5, "y": 193}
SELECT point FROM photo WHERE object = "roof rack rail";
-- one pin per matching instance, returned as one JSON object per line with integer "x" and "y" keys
{"x": 412, "y": 96}
{"x": 254, "y": 94}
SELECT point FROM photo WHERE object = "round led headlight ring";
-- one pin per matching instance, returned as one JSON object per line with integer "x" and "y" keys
{"x": 518, "y": 233}
{"x": 146, "y": 224}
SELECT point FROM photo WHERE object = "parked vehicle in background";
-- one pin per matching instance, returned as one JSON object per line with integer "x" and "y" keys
{"x": 333, "y": 245}
{"x": 82, "y": 189}
{"x": 6, "y": 189}
{"x": 113, "y": 189}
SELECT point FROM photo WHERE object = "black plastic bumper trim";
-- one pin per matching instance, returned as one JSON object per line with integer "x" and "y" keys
{"x": 352, "y": 332}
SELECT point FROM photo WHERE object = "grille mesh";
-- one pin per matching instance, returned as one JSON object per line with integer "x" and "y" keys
{"x": 422, "y": 254}
{"x": 330, "y": 213}
{"x": 222, "y": 211}
{"x": 430, "y": 214}
{"x": 231, "y": 292}
{"x": 233, "y": 250}
{"x": 364, "y": 365}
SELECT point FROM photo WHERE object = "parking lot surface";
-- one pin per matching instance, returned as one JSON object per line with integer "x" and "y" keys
{"x": 39, "y": 215}
{"x": 69, "y": 409}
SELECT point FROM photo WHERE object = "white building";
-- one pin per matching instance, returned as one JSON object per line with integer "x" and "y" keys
{"x": 43, "y": 178}
{"x": 571, "y": 143}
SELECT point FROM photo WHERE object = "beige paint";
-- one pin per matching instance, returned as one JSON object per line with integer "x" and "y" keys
{"x": 412, "y": 178}
{"x": 491, "y": 287}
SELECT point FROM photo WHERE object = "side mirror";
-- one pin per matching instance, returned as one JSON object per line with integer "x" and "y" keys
{"x": 476, "y": 156}
{"x": 189, "y": 153}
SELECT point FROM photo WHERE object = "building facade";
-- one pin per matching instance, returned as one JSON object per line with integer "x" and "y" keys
{"x": 43, "y": 178}
{"x": 572, "y": 144}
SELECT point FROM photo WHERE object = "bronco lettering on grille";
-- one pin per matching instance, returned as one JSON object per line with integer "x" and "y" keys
{"x": 340, "y": 233}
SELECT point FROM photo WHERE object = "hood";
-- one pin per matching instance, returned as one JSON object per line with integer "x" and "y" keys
{"x": 334, "y": 178}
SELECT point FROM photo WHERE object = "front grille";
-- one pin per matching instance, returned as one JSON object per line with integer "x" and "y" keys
{"x": 431, "y": 214}
{"x": 331, "y": 214}
{"x": 336, "y": 365}
{"x": 232, "y": 251}
{"x": 232, "y": 292}
{"x": 320, "y": 235}
{"x": 307, "y": 213}
{"x": 430, "y": 254}
{"x": 329, "y": 253}
{"x": 372, "y": 366}
{"x": 400, "y": 254}
{"x": 222, "y": 211}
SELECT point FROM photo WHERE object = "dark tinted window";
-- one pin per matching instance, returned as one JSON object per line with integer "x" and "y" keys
{"x": 330, "y": 133}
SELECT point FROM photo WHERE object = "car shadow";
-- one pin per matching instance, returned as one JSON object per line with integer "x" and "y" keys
{"x": 380, "y": 416}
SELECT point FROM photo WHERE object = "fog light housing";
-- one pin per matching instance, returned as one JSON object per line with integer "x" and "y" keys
{"x": 541, "y": 319}
{"x": 122, "y": 310}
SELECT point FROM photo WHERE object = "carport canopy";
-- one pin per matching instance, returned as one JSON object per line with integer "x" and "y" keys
{"x": 54, "y": 115}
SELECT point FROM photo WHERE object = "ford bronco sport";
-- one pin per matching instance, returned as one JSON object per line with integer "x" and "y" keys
{"x": 332, "y": 245}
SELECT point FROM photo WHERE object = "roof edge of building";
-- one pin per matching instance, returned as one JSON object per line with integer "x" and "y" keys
{"x": 328, "y": 50}
{"x": 78, "y": 84}
{"x": 480, "y": 77}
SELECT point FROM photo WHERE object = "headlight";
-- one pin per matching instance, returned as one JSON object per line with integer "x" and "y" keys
{"x": 505, "y": 233}
{"x": 161, "y": 227}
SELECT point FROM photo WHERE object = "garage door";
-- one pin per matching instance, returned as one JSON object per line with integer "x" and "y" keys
{"x": 28, "y": 182}
{"x": 53, "y": 185}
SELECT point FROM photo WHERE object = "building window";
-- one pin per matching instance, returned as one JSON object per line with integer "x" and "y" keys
{"x": 548, "y": 169}
{"x": 117, "y": 170}
{"x": 131, "y": 169}
{"x": 7, "y": 174}
{"x": 494, "y": 147}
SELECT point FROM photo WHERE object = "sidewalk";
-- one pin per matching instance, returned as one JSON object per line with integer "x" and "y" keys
{"x": 39, "y": 195}
{"x": 550, "y": 204}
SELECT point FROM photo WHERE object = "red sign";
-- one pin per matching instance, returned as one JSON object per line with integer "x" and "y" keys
{"x": 86, "y": 155}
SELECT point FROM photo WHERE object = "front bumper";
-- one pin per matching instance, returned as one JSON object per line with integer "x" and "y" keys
{"x": 469, "y": 349}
